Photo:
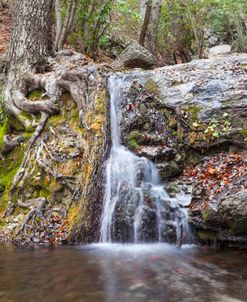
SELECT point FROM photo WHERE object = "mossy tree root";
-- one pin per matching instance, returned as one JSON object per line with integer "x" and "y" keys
{"x": 37, "y": 208}
{"x": 21, "y": 171}
{"x": 64, "y": 77}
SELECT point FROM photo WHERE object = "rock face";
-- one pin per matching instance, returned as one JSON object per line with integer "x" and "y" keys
{"x": 177, "y": 115}
{"x": 135, "y": 56}
{"x": 219, "y": 50}
{"x": 233, "y": 209}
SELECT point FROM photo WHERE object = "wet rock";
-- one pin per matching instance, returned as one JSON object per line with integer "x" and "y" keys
{"x": 123, "y": 217}
{"x": 149, "y": 231}
{"x": 233, "y": 209}
{"x": 157, "y": 152}
{"x": 172, "y": 188}
{"x": 168, "y": 169}
{"x": 169, "y": 233}
{"x": 138, "y": 286}
{"x": 135, "y": 56}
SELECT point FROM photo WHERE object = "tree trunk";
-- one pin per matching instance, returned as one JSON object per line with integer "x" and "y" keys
{"x": 31, "y": 39}
{"x": 156, "y": 9}
{"x": 64, "y": 26}
{"x": 59, "y": 22}
{"x": 145, "y": 22}
{"x": 28, "y": 57}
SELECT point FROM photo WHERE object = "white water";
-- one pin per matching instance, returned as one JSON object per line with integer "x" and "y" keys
{"x": 136, "y": 206}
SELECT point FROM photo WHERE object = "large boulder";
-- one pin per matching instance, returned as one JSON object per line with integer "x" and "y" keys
{"x": 135, "y": 56}
{"x": 219, "y": 50}
{"x": 233, "y": 208}
{"x": 168, "y": 169}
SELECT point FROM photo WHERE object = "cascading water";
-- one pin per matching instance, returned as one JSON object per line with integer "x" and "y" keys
{"x": 136, "y": 206}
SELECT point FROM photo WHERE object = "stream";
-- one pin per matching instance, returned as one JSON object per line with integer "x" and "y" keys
{"x": 122, "y": 273}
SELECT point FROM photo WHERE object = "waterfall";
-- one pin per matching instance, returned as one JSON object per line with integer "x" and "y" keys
{"x": 136, "y": 206}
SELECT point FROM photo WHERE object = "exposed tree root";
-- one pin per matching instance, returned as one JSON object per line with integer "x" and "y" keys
{"x": 67, "y": 181}
{"x": 11, "y": 143}
{"x": 21, "y": 171}
{"x": 37, "y": 208}
{"x": 64, "y": 77}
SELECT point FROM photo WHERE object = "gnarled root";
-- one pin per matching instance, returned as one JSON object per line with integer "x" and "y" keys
{"x": 21, "y": 171}
{"x": 64, "y": 77}
{"x": 11, "y": 143}
{"x": 37, "y": 208}
{"x": 65, "y": 180}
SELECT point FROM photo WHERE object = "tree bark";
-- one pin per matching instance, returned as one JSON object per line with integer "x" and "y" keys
{"x": 64, "y": 27}
{"x": 146, "y": 21}
{"x": 156, "y": 9}
{"x": 59, "y": 22}
{"x": 29, "y": 55}
{"x": 31, "y": 37}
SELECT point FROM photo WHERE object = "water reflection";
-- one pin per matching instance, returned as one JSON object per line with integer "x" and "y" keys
{"x": 116, "y": 273}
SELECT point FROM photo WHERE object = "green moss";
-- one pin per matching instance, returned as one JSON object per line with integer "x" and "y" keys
{"x": 25, "y": 119}
{"x": 2, "y": 114}
{"x": 206, "y": 235}
{"x": 152, "y": 87}
{"x": 100, "y": 103}
{"x": 56, "y": 120}
{"x": 172, "y": 123}
{"x": 193, "y": 111}
{"x": 207, "y": 214}
{"x": 244, "y": 134}
{"x": 4, "y": 130}
{"x": 134, "y": 139}
{"x": 8, "y": 169}
{"x": 143, "y": 109}
{"x": 133, "y": 144}
{"x": 36, "y": 95}
{"x": 230, "y": 102}
{"x": 17, "y": 125}
{"x": 136, "y": 135}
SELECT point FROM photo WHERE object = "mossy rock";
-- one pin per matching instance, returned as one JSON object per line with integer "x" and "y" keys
{"x": 193, "y": 112}
{"x": 206, "y": 236}
{"x": 172, "y": 123}
{"x": 135, "y": 138}
{"x": 152, "y": 87}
